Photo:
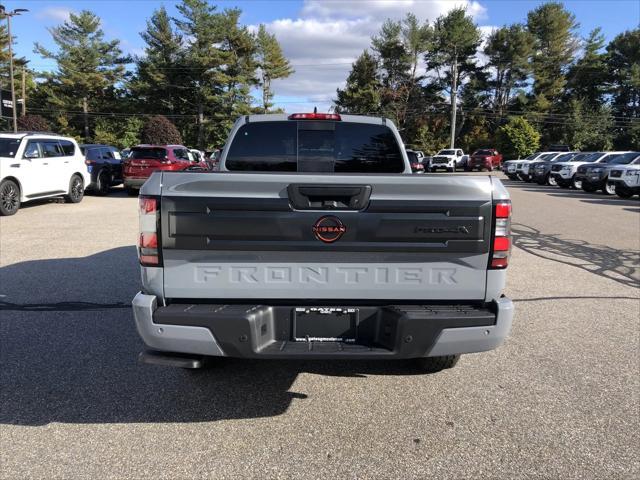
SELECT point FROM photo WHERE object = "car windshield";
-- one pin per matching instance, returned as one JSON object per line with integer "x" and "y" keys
{"x": 622, "y": 158}
{"x": 447, "y": 152}
{"x": 315, "y": 146}
{"x": 413, "y": 158}
{"x": 547, "y": 156}
{"x": 483, "y": 152}
{"x": 9, "y": 147}
{"x": 532, "y": 156}
{"x": 148, "y": 153}
{"x": 565, "y": 157}
{"x": 586, "y": 157}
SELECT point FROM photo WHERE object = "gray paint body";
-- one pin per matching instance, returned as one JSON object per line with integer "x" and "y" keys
{"x": 264, "y": 275}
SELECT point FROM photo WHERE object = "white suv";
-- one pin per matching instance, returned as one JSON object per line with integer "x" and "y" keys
{"x": 36, "y": 165}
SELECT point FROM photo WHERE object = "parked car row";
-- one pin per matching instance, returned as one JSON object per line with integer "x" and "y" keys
{"x": 36, "y": 165}
{"x": 588, "y": 171}
{"x": 452, "y": 159}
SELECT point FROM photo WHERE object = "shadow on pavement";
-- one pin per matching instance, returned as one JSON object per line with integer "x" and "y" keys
{"x": 622, "y": 266}
{"x": 69, "y": 354}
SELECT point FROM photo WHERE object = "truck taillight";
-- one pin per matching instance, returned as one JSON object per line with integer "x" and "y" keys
{"x": 501, "y": 247}
{"x": 148, "y": 244}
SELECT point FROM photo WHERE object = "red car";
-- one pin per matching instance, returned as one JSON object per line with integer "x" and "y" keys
{"x": 146, "y": 159}
{"x": 484, "y": 158}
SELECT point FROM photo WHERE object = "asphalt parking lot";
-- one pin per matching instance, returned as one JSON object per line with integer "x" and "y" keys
{"x": 559, "y": 400}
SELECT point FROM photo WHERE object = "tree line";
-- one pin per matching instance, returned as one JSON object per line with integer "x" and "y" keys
{"x": 198, "y": 70}
{"x": 531, "y": 84}
{"x": 525, "y": 86}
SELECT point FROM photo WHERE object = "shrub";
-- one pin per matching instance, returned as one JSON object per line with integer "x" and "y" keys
{"x": 33, "y": 123}
{"x": 160, "y": 131}
{"x": 517, "y": 139}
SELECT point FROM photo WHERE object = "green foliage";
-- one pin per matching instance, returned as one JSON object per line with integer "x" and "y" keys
{"x": 33, "y": 123}
{"x": 159, "y": 130}
{"x": 88, "y": 66}
{"x": 517, "y": 138}
{"x": 555, "y": 43}
{"x": 589, "y": 128}
{"x": 161, "y": 71}
{"x": 272, "y": 64}
{"x": 624, "y": 67}
{"x": 121, "y": 133}
{"x": 361, "y": 94}
{"x": 587, "y": 79}
{"x": 508, "y": 49}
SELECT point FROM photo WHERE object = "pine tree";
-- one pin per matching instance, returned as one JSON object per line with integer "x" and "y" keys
{"x": 508, "y": 50}
{"x": 555, "y": 43}
{"x": 587, "y": 79}
{"x": 456, "y": 39}
{"x": 361, "y": 94}
{"x": 272, "y": 64}
{"x": 394, "y": 63}
{"x": 623, "y": 60}
{"x": 220, "y": 61}
{"x": 160, "y": 72}
{"x": 88, "y": 67}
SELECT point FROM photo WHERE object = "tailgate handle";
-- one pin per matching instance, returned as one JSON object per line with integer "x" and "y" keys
{"x": 330, "y": 197}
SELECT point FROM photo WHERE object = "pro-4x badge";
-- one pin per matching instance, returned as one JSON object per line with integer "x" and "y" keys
{"x": 329, "y": 229}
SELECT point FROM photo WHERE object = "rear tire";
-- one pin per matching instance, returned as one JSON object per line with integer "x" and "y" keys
{"x": 437, "y": 364}
{"x": 132, "y": 192}
{"x": 103, "y": 183}
{"x": 9, "y": 198}
{"x": 76, "y": 190}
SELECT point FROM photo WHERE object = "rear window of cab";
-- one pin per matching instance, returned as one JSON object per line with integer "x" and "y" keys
{"x": 315, "y": 146}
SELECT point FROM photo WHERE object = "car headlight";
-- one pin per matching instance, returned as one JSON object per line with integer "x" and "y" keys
{"x": 633, "y": 172}
{"x": 566, "y": 168}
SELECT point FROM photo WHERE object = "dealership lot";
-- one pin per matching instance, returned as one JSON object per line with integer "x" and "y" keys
{"x": 559, "y": 399}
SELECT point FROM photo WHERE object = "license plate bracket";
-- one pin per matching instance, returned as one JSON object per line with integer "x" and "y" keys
{"x": 325, "y": 324}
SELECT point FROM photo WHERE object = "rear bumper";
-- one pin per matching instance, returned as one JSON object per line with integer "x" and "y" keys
{"x": 134, "y": 182}
{"x": 259, "y": 331}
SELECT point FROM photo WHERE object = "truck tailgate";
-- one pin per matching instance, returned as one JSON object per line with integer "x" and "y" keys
{"x": 252, "y": 236}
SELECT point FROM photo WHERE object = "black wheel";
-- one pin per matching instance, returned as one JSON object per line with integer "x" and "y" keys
{"x": 576, "y": 183}
{"x": 451, "y": 170}
{"x": 609, "y": 188}
{"x": 76, "y": 190}
{"x": 132, "y": 192}
{"x": 9, "y": 198}
{"x": 553, "y": 181}
{"x": 103, "y": 183}
{"x": 623, "y": 192}
{"x": 588, "y": 188}
{"x": 437, "y": 364}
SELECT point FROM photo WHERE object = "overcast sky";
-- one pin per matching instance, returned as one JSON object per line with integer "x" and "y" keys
{"x": 320, "y": 37}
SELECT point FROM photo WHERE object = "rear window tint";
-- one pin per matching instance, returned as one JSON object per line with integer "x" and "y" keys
{"x": 310, "y": 146}
{"x": 68, "y": 148}
{"x": 149, "y": 153}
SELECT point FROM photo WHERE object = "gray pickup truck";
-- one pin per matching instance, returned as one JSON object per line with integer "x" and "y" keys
{"x": 315, "y": 241}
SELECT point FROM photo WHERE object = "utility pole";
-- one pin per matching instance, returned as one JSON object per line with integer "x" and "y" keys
{"x": 24, "y": 92}
{"x": 8, "y": 15}
{"x": 454, "y": 96}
